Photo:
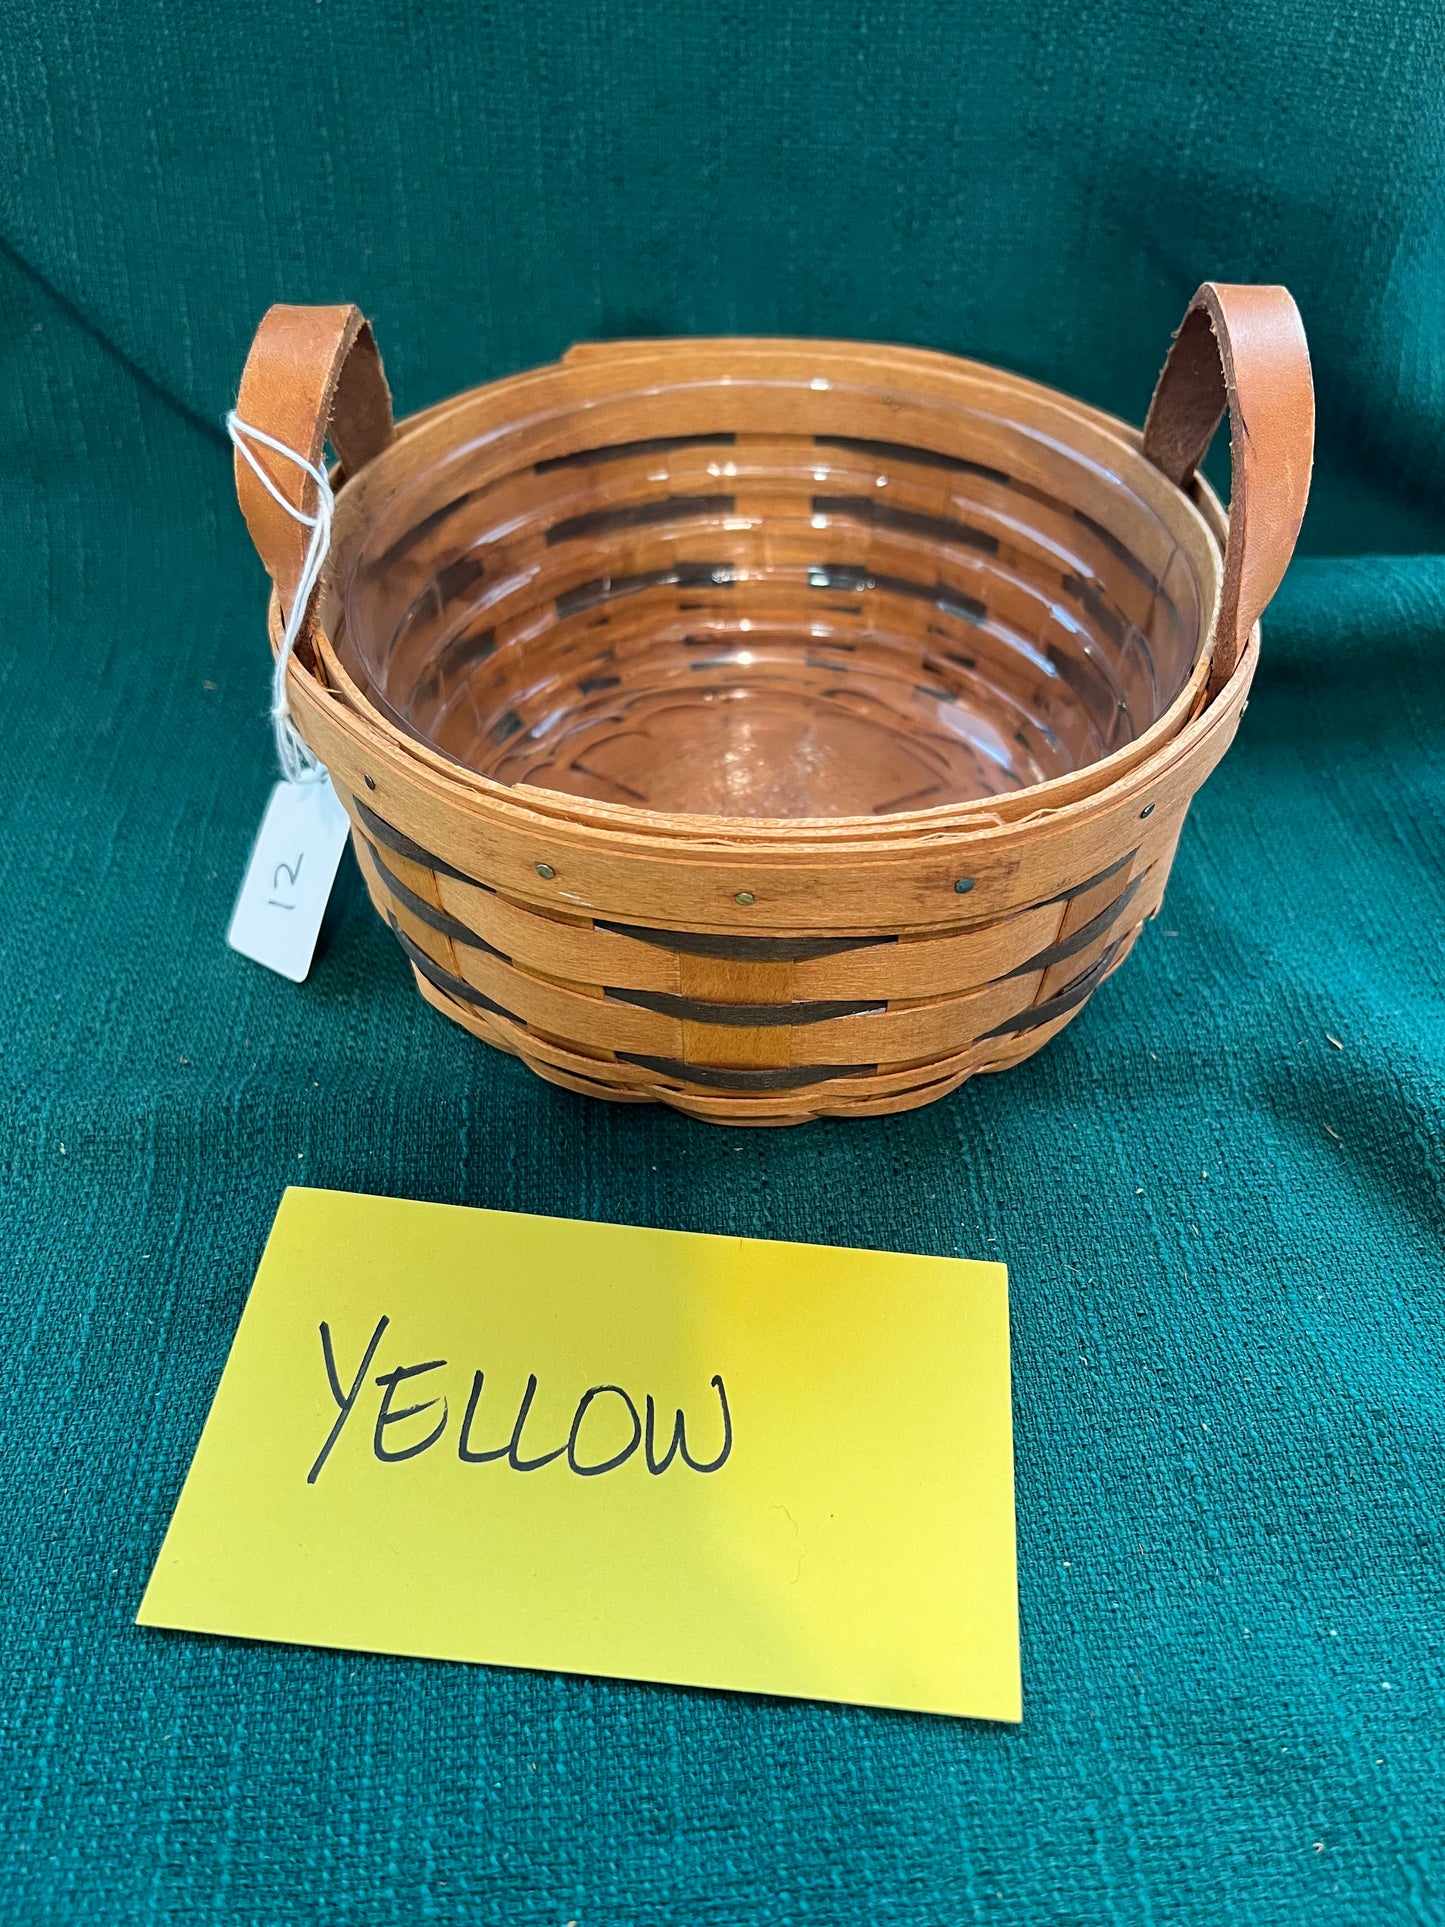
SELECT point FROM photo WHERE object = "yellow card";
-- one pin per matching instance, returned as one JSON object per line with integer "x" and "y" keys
{"x": 473, "y": 1435}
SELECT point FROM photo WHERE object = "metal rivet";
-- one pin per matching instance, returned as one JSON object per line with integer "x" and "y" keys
{"x": 745, "y": 897}
{"x": 545, "y": 870}
{"x": 963, "y": 886}
{"x": 370, "y": 782}
{"x": 1148, "y": 810}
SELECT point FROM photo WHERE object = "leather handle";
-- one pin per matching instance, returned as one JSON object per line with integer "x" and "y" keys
{"x": 313, "y": 375}
{"x": 1241, "y": 349}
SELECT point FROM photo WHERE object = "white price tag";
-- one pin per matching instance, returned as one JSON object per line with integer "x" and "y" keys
{"x": 288, "y": 881}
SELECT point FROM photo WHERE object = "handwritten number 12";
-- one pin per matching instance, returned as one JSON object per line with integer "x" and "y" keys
{"x": 292, "y": 871}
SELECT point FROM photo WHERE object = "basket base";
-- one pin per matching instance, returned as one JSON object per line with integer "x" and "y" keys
{"x": 879, "y": 1094}
{"x": 780, "y": 728}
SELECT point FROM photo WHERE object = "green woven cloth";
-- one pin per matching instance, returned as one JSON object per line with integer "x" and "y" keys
{"x": 1219, "y": 1191}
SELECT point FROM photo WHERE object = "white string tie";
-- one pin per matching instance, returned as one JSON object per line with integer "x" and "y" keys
{"x": 298, "y": 763}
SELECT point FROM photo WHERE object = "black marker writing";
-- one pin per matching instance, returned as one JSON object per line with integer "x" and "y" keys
{"x": 344, "y": 1399}
{"x": 388, "y": 1381}
{"x": 390, "y": 1414}
{"x": 584, "y": 1405}
{"x": 511, "y": 1451}
{"x": 679, "y": 1437}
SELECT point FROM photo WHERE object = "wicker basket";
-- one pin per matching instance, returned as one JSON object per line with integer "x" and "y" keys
{"x": 775, "y": 729}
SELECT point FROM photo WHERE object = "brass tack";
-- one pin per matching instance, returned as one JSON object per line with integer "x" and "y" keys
{"x": 1148, "y": 810}
{"x": 745, "y": 897}
{"x": 545, "y": 870}
{"x": 963, "y": 886}
{"x": 370, "y": 782}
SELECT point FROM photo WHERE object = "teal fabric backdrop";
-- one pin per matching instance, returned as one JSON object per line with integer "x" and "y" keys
{"x": 1219, "y": 1192}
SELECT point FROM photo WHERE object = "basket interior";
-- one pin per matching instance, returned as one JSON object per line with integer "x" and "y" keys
{"x": 754, "y": 592}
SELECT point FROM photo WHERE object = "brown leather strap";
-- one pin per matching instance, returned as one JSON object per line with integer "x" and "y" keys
{"x": 1241, "y": 348}
{"x": 313, "y": 375}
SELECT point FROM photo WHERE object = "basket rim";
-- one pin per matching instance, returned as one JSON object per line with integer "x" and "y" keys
{"x": 803, "y": 885}
{"x": 1011, "y": 809}
{"x": 779, "y": 842}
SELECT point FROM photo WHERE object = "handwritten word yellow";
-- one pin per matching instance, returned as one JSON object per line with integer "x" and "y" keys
{"x": 644, "y": 1429}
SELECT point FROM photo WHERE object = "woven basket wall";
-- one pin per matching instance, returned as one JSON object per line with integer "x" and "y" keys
{"x": 776, "y": 729}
